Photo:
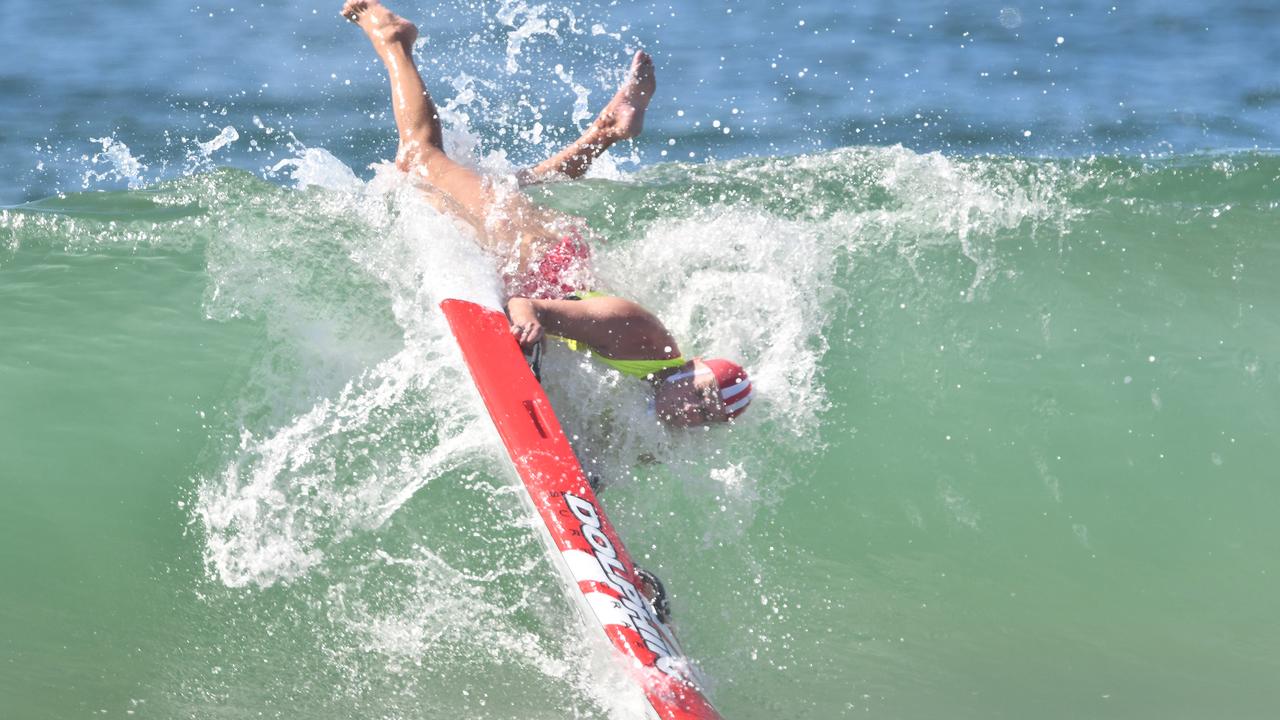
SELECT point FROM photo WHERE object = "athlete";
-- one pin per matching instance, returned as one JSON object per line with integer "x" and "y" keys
{"x": 544, "y": 261}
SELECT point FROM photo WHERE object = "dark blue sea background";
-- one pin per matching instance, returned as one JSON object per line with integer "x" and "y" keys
{"x": 735, "y": 79}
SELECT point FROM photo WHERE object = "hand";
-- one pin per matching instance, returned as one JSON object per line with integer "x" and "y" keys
{"x": 525, "y": 325}
{"x": 527, "y": 335}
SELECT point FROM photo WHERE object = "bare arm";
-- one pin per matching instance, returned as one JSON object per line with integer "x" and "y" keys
{"x": 611, "y": 326}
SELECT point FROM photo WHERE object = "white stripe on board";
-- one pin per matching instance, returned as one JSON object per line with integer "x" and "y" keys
{"x": 584, "y": 566}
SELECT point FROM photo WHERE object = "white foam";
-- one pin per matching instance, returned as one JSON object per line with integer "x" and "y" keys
{"x": 282, "y": 501}
{"x": 318, "y": 167}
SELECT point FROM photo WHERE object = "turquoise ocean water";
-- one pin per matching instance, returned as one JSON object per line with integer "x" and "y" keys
{"x": 1014, "y": 338}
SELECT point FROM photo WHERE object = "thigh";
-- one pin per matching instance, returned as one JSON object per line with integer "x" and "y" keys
{"x": 467, "y": 189}
{"x": 507, "y": 222}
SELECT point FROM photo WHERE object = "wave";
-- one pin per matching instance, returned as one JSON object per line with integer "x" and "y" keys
{"x": 354, "y": 485}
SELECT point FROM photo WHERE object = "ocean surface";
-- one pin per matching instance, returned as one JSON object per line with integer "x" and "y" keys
{"x": 1005, "y": 276}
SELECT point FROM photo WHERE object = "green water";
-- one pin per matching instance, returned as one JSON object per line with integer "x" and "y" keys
{"x": 1012, "y": 454}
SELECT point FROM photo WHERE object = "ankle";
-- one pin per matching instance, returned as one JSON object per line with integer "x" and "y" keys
{"x": 392, "y": 52}
{"x": 601, "y": 133}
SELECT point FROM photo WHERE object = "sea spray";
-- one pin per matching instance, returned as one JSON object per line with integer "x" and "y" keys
{"x": 120, "y": 164}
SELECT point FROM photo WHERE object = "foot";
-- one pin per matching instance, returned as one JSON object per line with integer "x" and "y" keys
{"x": 623, "y": 117}
{"x": 380, "y": 24}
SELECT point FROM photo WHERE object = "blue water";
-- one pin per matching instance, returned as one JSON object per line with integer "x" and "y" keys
{"x": 1073, "y": 78}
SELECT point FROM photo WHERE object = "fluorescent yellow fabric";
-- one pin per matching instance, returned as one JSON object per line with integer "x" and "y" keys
{"x": 636, "y": 368}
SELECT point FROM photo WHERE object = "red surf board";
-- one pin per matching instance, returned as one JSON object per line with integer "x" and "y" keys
{"x": 586, "y": 548}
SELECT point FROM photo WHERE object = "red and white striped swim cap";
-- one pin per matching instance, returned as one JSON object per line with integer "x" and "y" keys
{"x": 735, "y": 386}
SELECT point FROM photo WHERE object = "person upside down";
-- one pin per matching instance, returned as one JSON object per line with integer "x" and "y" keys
{"x": 545, "y": 262}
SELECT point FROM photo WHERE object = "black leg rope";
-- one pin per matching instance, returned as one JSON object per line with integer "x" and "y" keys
{"x": 535, "y": 361}
{"x": 661, "y": 605}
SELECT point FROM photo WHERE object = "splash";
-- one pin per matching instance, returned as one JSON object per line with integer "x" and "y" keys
{"x": 318, "y": 167}
{"x": 225, "y": 137}
{"x": 326, "y": 475}
{"x": 324, "y": 467}
{"x": 581, "y": 95}
{"x": 526, "y": 22}
{"x": 121, "y": 164}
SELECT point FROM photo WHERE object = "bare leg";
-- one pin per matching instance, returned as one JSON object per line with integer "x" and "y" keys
{"x": 621, "y": 119}
{"x": 509, "y": 225}
{"x": 392, "y": 37}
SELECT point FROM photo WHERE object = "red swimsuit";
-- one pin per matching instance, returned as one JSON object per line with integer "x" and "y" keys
{"x": 562, "y": 269}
